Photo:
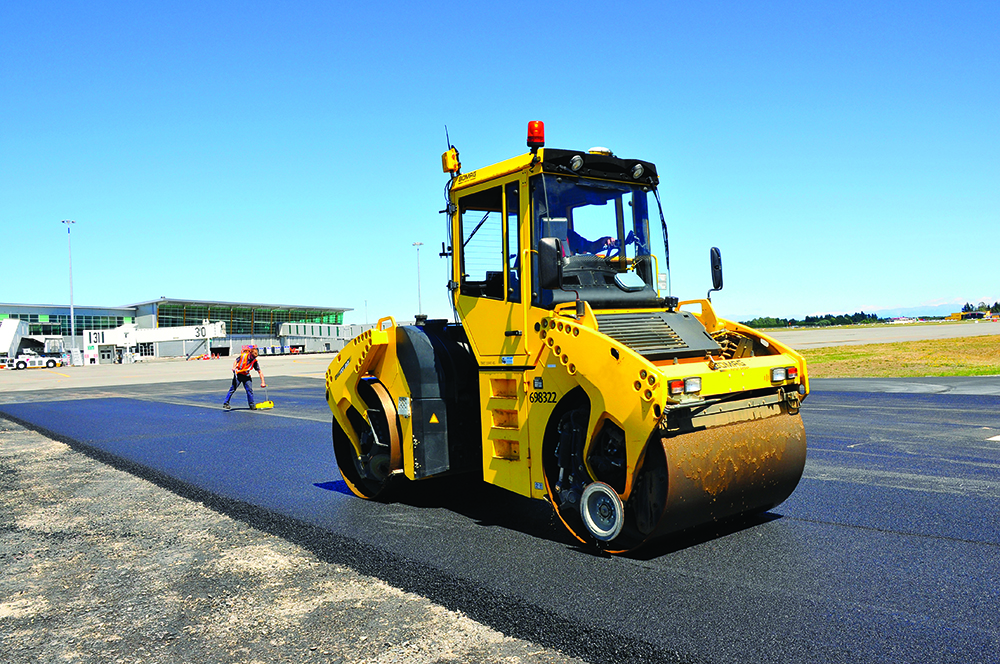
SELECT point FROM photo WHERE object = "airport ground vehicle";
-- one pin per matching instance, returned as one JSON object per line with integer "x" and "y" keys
{"x": 19, "y": 350}
{"x": 567, "y": 376}
{"x": 33, "y": 361}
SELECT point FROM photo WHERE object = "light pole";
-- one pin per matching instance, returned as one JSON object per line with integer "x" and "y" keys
{"x": 72, "y": 319}
{"x": 420, "y": 307}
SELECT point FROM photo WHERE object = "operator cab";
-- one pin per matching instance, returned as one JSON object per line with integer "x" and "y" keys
{"x": 546, "y": 228}
{"x": 596, "y": 208}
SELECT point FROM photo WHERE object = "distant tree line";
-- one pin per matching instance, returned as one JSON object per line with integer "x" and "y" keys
{"x": 982, "y": 306}
{"x": 860, "y": 318}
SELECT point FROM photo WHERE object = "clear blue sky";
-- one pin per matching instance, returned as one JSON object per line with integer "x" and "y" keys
{"x": 843, "y": 155}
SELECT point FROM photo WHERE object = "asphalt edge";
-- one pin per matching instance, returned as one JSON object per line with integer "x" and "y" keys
{"x": 508, "y": 615}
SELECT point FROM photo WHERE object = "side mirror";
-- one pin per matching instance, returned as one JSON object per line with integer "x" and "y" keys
{"x": 550, "y": 262}
{"x": 716, "y": 258}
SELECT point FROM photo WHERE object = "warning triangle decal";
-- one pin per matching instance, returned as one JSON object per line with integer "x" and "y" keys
{"x": 434, "y": 419}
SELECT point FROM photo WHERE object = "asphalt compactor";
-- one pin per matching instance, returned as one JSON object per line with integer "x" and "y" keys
{"x": 568, "y": 376}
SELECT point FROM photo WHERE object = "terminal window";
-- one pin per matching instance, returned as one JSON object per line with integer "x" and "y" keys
{"x": 242, "y": 320}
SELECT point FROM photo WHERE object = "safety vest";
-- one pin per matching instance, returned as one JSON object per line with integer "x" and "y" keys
{"x": 244, "y": 363}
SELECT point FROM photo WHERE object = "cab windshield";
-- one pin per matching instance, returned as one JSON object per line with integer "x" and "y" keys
{"x": 603, "y": 228}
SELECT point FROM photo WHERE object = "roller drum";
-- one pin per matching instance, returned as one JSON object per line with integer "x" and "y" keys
{"x": 717, "y": 472}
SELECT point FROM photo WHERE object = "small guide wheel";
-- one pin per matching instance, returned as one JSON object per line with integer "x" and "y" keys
{"x": 602, "y": 511}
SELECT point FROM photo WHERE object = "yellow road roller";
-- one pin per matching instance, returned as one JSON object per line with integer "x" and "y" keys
{"x": 569, "y": 375}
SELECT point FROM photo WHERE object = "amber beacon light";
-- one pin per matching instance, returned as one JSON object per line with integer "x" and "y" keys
{"x": 536, "y": 134}
{"x": 449, "y": 161}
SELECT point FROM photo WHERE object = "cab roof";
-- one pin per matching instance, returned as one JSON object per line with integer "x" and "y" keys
{"x": 553, "y": 160}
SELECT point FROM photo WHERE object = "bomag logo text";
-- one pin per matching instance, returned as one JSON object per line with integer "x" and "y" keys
{"x": 466, "y": 177}
{"x": 728, "y": 364}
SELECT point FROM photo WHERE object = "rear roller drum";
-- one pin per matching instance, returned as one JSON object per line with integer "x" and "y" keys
{"x": 369, "y": 475}
{"x": 366, "y": 476}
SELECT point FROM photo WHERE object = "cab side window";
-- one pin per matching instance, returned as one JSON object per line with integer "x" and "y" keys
{"x": 513, "y": 206}
{"x": 483, "y": 243}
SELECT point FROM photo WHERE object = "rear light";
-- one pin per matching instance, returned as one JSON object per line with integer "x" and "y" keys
{"x": 781, "y": 374}
{"x": 685, "y": 386}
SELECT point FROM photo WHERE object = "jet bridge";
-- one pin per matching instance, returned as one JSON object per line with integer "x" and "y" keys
{"x": 129, "y": 343}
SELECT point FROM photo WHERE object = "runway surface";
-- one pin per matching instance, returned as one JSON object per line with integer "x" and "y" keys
{"x": 867, "y": 334}
{"x": 888, "y": 551}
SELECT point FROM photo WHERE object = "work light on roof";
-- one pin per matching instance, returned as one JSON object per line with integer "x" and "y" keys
{"x": 576, "y": 162}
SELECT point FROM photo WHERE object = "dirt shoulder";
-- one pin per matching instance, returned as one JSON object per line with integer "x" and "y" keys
{"x": 98, "y": 565}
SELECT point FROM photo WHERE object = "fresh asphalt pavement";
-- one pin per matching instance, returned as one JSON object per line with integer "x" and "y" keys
{"x": 888, "y": 550}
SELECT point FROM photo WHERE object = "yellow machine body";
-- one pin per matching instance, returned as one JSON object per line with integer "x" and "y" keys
{"x": 634, "y": 414}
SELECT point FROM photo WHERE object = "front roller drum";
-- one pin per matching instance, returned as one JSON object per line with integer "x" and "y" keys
{"x": 696, "y": 476}
{"x": 710, "y": 474}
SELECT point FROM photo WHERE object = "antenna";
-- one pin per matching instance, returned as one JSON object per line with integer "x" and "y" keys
{"x": 446, "y": 137}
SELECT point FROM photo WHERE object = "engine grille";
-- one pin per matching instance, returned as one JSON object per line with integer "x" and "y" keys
{"x": 659, "y": 335}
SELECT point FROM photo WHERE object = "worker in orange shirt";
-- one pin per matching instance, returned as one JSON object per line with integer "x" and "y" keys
{"x": 246, "y": 362}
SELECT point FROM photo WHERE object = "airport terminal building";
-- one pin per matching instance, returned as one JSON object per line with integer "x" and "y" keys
{"x": 170, "y": 327}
